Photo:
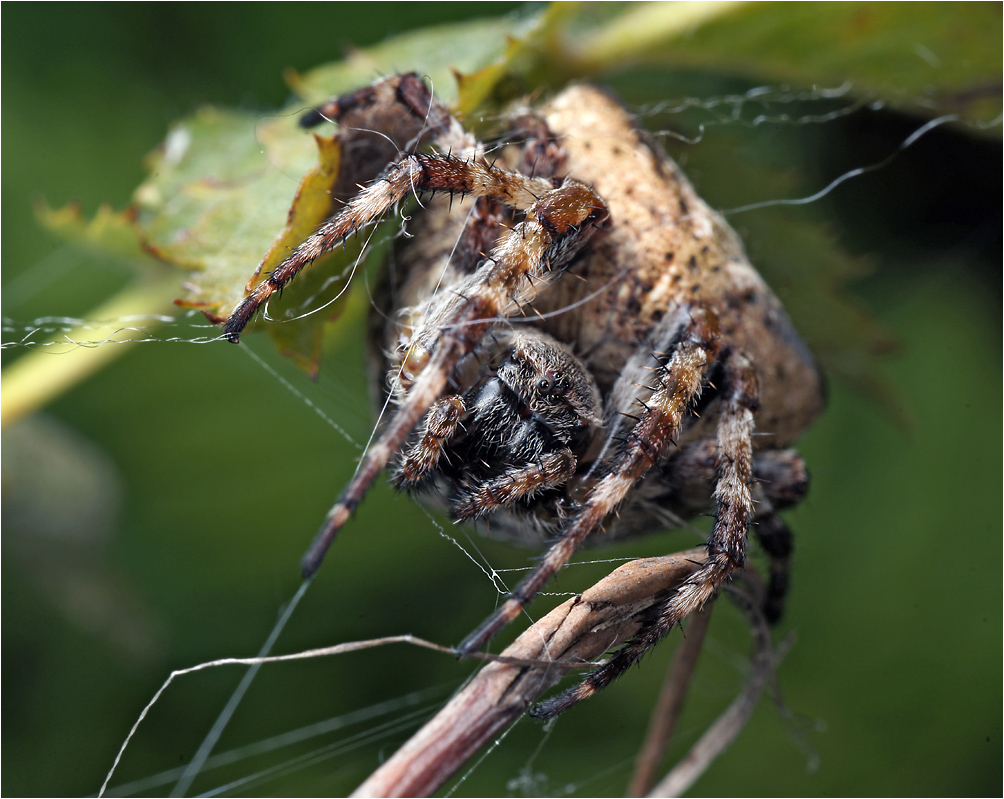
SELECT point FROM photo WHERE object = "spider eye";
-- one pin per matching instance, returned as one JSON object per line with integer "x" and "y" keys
{"x": 544, "y": 385}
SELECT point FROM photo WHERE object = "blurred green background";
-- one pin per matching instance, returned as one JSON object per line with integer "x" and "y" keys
{"x": 153, "y": 518}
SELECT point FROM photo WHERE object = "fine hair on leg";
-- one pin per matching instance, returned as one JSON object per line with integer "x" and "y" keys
{"x": 726, "y": 544}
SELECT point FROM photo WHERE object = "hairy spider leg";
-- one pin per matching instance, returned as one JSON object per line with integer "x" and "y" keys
{"x": 376, "y": 111}
{"x": 414, "y": 173}
{"x": 679, "y": 385}
{"x": 553, "y": 469}
{"x": 782, "y": 480}
{"x": 422, "y": 457}
{"x": 542, "y": 156}
{"x": 556, "y": 227}
{"x": 726, "y": 544}
{"x": 776, "y": 539}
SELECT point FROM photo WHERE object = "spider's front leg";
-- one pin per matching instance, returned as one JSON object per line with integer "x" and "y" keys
{"x": 697, "y": 345}
{"x": 726, "y": 545}
{"x": 413, "y": 174}
{"x": 559, "y": 222}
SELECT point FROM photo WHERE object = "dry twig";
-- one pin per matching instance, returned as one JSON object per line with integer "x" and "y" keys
{"x": 578, "y": 630}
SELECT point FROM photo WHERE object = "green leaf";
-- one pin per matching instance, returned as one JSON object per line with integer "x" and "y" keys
{"x": 490, "y": 47}
{"x": 929, "y": 58}
{"x": 218, "y": 199}
{"x": 218, "y": 196}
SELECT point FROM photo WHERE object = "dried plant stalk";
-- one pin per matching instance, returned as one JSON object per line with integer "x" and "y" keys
{"x": 575, "y": 632}
{"x": 670, "y": 703}
{"x": 717, "y": 738}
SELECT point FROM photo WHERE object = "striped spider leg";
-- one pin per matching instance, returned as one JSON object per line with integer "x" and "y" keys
{"x": 560, "y": 218}
{"x": 726, "y": 546}
{"x": 693, "y": 344}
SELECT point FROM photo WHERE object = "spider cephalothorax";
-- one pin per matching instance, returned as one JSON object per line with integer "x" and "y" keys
{"x": 582, "y": 351}
{"x": 515, "y": 437}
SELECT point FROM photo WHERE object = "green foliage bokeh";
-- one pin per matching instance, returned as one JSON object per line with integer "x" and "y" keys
{"x": 207, "y": 477}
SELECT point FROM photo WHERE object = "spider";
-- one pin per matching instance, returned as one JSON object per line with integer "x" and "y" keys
{"x": 582, "y": 353}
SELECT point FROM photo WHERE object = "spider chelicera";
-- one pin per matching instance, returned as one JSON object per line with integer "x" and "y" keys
{"x": 582, "y": 352}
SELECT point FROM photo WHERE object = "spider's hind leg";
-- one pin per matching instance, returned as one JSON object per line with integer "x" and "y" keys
{"x": 776, "y": 539}
{"x": 696, "y": 342}
{"x": 726, "y": 545}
